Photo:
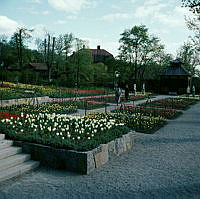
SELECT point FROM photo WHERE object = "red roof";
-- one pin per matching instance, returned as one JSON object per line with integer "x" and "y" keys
{"x": 100, "y": 52}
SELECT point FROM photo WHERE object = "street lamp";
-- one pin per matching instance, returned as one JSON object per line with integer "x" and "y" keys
{"x": 117, "y": 74}
{"x": 2, "y": 65}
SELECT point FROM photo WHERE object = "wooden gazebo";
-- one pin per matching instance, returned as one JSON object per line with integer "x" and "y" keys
{"x": 175, "y": 79}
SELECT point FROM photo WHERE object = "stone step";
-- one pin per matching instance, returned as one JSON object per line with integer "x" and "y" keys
{"x": 18, "y": 170}
{"x": 4, "y": 153}
{"x": 5, "y": 144}
{"x": 13, "y": 161}
{"x": 2, "y": 136}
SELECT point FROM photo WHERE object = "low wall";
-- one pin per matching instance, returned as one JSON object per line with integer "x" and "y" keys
{"x": 34, "y": 100}
{"x": 81, "y": 162}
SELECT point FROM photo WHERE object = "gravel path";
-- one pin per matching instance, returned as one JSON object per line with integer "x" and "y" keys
{"x": 163, "y": 165}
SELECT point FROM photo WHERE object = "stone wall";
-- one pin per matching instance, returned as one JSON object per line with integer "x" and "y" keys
{"x": 81, "y": 162}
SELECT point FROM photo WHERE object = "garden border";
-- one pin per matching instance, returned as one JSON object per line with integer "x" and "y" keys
{"x": 81, "y": 162}
{"x": 19, "y": 101}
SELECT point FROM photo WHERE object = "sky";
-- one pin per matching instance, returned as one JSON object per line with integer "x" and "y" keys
{"x": 100, "y": 22}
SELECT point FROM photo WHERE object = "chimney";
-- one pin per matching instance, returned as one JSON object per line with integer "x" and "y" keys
{"x": 98, "y": 47}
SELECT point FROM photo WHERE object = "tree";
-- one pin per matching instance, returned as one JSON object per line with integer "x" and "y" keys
{"x": 139, "y": 49}
{"x": 191, "y": 49}
{"x": 78, "y": 56}
{"x": 194, "y": 5}
{"x": 63, "y": 49}
{"x": 18, "y": 40}
{"x": 64, "y": 44}
{"x": 49, "y": 45}
{"x": 190, "y": 56}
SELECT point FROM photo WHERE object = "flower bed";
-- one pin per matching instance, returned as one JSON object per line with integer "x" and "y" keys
{"x": 6, "y": 115}
{"x": 87, "y": 91}
{"x": 171, "y": 103}
{"x": 15, "y": 91}
{"x": 111, "y": 98}
{"x": 87, "y": 103}
{"x": 148, "y": 111}
{"x": 136, "y": 122}
{"x": 64, "y": 93}
{"x": 62, "y": 131}
{"x": 82, "y": 162}
{"x": 54, "y": 107}
{"x": 12, "y": 93}
{"x": 90, "y": 104}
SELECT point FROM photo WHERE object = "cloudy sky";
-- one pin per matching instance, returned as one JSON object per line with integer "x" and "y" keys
{"x": 99, "y": 21}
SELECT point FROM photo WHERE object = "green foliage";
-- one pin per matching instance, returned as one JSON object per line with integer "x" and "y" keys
{"x": 149, "y": 111}
{"x": 62, "y": 131}
{"x": 53, "y": 107}
{"x": 194, "y": 5}
{"x": 140, "y": 50}
{"x": 86, "y": 145}
{"x": 188, "y": 55}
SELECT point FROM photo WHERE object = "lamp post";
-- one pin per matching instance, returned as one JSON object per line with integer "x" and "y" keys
{"x": 2, "y": 65}
{"x": 117, "y": 75}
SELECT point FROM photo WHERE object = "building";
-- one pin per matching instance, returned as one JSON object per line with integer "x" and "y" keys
{"x": 100, "y": 55}
{"x": 38, "y": 67}
{"x": 175, "y": 79}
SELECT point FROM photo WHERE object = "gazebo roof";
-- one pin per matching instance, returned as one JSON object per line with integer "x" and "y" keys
{"x": 176, "y": 69}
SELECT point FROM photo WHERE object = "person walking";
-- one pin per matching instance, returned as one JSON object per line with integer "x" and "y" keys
{"x": 126, "y": 92}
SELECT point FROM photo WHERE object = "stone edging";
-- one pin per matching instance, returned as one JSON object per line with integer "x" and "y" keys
{"x": 81, "y": 162}
{"x": 33, "y": 100}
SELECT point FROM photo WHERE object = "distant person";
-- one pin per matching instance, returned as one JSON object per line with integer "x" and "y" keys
{"x": 117, "y": 95}
{"x": 126, "y": 92}
{"x": 188, "y": 91}
{"x": 193, "y": 91}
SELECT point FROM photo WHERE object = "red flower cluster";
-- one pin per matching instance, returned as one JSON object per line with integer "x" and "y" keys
{"x": 5, "y": 85}
{"x": 6, "y": 115}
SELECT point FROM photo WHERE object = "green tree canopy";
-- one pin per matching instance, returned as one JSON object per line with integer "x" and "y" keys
{"x": 139, "y": 49}
{"x": 194, "y": 5}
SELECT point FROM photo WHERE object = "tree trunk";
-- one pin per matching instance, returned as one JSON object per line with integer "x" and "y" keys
{"x": 20, "y": 48}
